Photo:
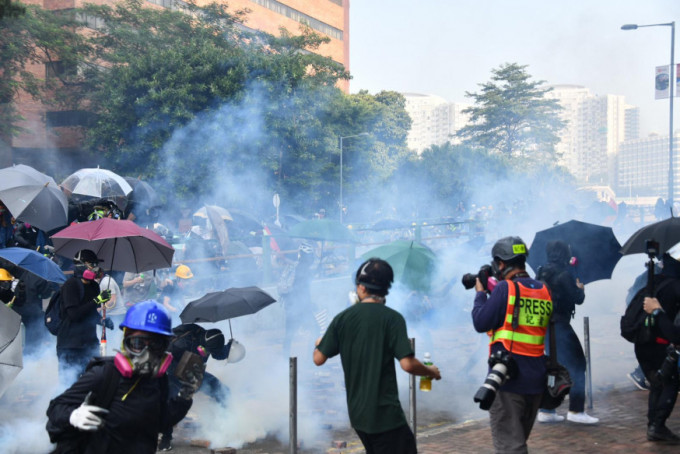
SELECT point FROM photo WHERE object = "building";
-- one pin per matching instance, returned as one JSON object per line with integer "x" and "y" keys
{"x": 57, "y": 136}
{"x": 435, "y": 120}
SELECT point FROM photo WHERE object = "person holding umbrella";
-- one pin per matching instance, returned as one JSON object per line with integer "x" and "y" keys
{"x": 566, "y": 293}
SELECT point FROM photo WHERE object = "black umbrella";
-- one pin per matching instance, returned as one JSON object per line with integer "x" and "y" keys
{"x": 666, "y": 233}
{"x": 142, "y": 195}
{"x": 595, "y": 247}
{"x": 230, "y": 303}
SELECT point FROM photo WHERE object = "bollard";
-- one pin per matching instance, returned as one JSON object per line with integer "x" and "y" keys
{"x": 586, "y": 346}
{"x": 412, "y": 395}
{"x": 293, "y": 406}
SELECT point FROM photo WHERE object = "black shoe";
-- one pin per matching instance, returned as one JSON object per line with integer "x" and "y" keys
{"x": 165, "y": 444}
{"x": 661, "y": 433}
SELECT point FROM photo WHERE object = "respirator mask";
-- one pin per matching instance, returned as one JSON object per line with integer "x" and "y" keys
{"x": 143, "y": 355}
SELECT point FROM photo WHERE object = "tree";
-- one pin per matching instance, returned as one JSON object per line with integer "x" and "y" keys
{"x": 9, "y": 9}
{"x": 512, "y": 115}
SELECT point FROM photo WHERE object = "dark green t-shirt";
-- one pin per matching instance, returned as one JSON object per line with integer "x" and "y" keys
{"x": 368, "y": 337}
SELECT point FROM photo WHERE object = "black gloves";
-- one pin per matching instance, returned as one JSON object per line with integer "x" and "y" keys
{"x": 103, "y": 297}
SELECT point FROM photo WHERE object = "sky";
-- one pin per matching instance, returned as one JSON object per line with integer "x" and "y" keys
{"x": 448, "y": 47}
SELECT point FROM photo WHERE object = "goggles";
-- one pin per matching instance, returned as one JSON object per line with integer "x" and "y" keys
{"x": 137, "y": 344}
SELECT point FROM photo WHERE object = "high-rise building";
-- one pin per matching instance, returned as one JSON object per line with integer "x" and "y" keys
{"x": 643, "y": 167}
{"x": 430, "y": 118}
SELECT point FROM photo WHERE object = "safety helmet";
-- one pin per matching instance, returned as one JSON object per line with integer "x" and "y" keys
{"x": 306, "y": 248}
{"x": 237, "y": 352}
{"x": 5, "y": 276}
{"x": 184, "y": 272}
{"x": 376, "y": 275}
{"x": 148, "y": 316}
{"x": 509, "y": 248}
{"x": 86, "y": 255}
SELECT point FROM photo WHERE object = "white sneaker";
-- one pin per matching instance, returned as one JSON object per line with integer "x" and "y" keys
{"x": 544, "y": 416}
{"x": 581, "y": 418}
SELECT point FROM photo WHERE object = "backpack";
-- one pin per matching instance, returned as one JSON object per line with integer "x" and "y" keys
{"x": 53, "y": 310}
{"x": 634, "y": 327}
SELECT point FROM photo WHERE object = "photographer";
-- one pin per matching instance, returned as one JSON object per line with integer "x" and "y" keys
{"x": 517, "y": 378}
{"x": 659, "y": 358}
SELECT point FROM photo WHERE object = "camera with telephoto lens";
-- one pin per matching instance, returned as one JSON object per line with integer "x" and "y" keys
{"x": 485, "y": 272}
{"x": 503, "y": 367}
{"x": 669, "y": 367}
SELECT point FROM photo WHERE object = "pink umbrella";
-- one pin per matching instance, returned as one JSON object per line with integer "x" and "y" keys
{"x": 120, "y": 245}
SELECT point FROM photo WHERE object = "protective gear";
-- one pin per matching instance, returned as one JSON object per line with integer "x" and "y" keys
{"x": 5, "y": 276}
{"x": 237, "y": 351}
{"x": 184, "y": 272}
{"x": 103, "y": 297}
{"x": 143, "y": 364}
{"x": 214, "y": 341}
{"x": 148, "y": 316}
{"x": 107, "y": 322}
{"x": 306, "y": 248}
{"x": 86, "y": 256}
{"x": 85, "y": 417}
{"x": 376, "y": 275}
{"x": 509, "y": 248}
{"x": 89, "y": 275}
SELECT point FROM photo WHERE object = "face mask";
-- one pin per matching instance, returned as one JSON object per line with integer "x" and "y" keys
{"x": 142, "y": 364}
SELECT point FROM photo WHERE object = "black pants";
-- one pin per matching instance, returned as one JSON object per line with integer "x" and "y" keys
{"x": 662, "y": 393}
{"x": 396, "y": 441}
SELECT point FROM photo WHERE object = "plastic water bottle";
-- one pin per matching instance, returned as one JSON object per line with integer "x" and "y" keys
{"x": 426, "y": 382}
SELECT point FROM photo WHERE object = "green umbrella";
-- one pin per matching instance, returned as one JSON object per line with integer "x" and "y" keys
{"x": 413, "y": 263}
{"x": 322, "y": 230}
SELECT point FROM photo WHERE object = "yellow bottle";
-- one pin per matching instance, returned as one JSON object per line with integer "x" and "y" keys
{"x": 426, "y": 382}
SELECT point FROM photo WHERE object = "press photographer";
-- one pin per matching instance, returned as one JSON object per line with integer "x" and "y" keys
{"x": 517, "y": 377}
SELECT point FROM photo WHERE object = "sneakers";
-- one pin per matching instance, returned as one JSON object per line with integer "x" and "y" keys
{"x": 549, "y": 416}
{"x": 165, "y": 444}
{"x": 581, "y": 418}
{"x": 662, "y": 433}
{"x": 639, "y": 380}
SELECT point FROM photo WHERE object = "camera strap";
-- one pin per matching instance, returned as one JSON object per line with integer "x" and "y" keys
{"x": 515, "y": 314}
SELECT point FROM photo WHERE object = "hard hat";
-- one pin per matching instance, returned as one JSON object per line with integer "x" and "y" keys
{"x": 184, "y": 272}
{"x": 509, "y": 248}
{"x": 375, "y": 274}
{"x": 237, "y": 352}
{"x": 86, "y": 255}
{"x": 5, "y": 276}
{"x": 148, "y": 316}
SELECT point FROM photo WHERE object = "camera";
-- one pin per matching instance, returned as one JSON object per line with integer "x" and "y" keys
{"x": 485, "y": 276}
{"x": 669, "y": 367}
{"x": 503, "y": 367}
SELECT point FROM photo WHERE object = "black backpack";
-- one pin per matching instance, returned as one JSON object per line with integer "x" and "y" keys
{"x": 635, "y": 326}
{"x": 53, "y": 310}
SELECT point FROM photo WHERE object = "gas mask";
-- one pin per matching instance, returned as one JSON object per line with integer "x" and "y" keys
{"x": 144, "y": 356}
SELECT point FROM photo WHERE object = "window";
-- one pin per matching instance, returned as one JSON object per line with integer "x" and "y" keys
{"x": 302, "y": 18}
{"x": 64, "y": 118}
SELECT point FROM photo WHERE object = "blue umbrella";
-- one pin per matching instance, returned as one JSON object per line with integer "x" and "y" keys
{"x": 19, "y": 261}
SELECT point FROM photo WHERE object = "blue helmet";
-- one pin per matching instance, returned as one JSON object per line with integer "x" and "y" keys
{"x": 148, "y": 316}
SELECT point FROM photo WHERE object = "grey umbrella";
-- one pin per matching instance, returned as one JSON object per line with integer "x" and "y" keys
{"x": 11, "y": 356}
{"x": 100, "y": 184}
{"x": 33, "y": 197}
{"x": 230, "y": 303}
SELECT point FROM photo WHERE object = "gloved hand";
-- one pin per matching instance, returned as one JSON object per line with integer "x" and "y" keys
{"x": 107, "y": 322}
{"x": 103, "y": 297}
{"x": 191, "y": 381}
{"x": 85, "y": 417}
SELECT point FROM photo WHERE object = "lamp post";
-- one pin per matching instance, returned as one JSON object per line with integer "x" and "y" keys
{"x": 672, "y": 86}
{"x": 341, "y": 153}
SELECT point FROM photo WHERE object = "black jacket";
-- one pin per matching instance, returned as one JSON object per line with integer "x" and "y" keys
{"x": 79, "y": 316}
{"x": 565, "y": 294}
{"x": 132, "y": 425}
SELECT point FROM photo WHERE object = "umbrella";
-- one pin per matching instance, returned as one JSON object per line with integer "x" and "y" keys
{"x": 666, "y": 233}
{"x": 11, "y": 355}
{"x": 142, "y": 194}
{"x": 322, "y": 230}
{"x": 33, "y": 197}
{"x": 595, "y": 247}
{"x": 19, "y": 261}
{"x": 230, "y": 303}
{"x": 120, "y": 245}
{"x": 98, "y": 183}
{"x": 222, "y": 212}
{"x": 412, "y": 263}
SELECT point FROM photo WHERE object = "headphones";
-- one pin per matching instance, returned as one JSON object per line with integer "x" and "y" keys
{"x": 126, "y": 368}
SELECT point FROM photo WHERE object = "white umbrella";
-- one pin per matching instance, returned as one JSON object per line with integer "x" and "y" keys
{"x": 11, "y": 353}
{"x": 98, "y": 183}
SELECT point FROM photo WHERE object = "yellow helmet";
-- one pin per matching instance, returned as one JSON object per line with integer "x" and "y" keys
{"x": 184, "y": 272}
{"x": 4, "y": 275}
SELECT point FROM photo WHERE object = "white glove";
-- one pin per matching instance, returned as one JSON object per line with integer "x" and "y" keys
{"x": 85, "y": 417}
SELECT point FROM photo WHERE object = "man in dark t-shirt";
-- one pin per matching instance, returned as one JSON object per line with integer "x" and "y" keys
{"x": 369, "y": 336}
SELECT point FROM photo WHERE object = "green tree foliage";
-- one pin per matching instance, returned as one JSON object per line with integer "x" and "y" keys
{"x": 512, "y": 115}
{"x": 9, "y": 9}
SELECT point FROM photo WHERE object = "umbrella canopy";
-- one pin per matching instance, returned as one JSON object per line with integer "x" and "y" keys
{"x": 230, "y": 303}
{"x": 666, "y": 233}
{"x": 19, "y": 261}
{"x": 120, "y": 245}
{"x": 33, "y": 197}
{"x": 98, "y": 183}
{"x": 322, "y": 230}
{"x": 222, "y": 212}
{"x": 11, "y": 355}
{"x": 142, "y": 193}
{"x": 413, "y": 263}
{"x": 595, "y": 247}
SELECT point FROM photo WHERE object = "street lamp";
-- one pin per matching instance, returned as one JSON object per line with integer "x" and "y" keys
{"x": 672, "y": 84}
{"x": 341, "y": 139}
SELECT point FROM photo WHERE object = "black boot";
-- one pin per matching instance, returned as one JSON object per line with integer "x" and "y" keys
{"x": 656, "y": 432}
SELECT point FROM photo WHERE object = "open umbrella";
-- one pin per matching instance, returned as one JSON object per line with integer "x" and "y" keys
{"x": 223, "y": 212}
{"x": 595, "y": 248}
{"x": 33, "y": 197}
{"x": 100, "y": 184}
{"x": 142, "y": 195}
{"x": 666, "y": 233}
{"x": 412, "y": 263}
{"x": 11, "y": 356}
{"x": 19, "y": 261}
{"x": 120, "y": 245}
{"x": 228, "y": 304}
{"x": 322, "y": 230}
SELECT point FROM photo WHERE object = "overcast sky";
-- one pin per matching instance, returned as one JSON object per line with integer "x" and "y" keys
{"x": 447, "y": 47}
